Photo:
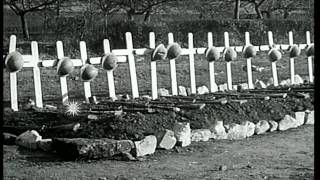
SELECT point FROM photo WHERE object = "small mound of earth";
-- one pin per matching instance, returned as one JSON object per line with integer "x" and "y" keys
{"x": 136, "y": 125}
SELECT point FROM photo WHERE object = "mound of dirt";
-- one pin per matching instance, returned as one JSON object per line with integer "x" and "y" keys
{"x": 135, "y": 125}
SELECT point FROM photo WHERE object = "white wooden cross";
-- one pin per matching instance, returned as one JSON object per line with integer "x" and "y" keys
{"x": 173, "y": 69}
{"x": 191, "y": 64}
{"x": 13, "y": 77}
{"x": 249, "y": 70}
{"x": 106, "y": 49}
{"x": 273, "y": 64}
{"x": 36, "y": 74}
{"x": 213, "y": 86}
{"x": 84, "y": 57}
{"x": 63, "y": 79}
{"x": 132, "y": 66}
{"x": 310, "y": 68}
{"x": 291, "y": 59}
{"x": 228, "y": 63}
{"x": 153, "y": 66}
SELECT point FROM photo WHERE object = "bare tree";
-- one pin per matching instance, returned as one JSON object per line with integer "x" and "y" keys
{"x": 22, "y": 7}
{"x": 237, "y": 9}
{"x": 141, "y": 7}
{"x": 257, "y": 4}
{"x": 107, "y": 7}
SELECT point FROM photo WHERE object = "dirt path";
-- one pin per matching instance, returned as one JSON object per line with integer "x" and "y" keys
{"x": 277, "y": 155}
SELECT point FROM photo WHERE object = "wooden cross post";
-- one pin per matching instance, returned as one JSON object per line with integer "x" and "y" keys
{"x": 191, "y": 64}
{"x": 13, "y": 77}
{"x": 36, "y": 74}
{"x": 249, "y": 70}
{"x": 273, "y": 64}
{"x": 228, "y": 63}
{"x": 132, "y": 66}
{"x": 153, "y": 65}
{"x": 84, "y": 57}
{"x": 106, "y": 49}
{"x": 213, "y": 86}
{"x": 63, "y": 79}
{"x": 173, "y": 70}
{"x": 291, "y": 59}
{"x": 310, "y": 67}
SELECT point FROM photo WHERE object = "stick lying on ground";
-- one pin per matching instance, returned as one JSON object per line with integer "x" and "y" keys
{"x": 17, "y": 130}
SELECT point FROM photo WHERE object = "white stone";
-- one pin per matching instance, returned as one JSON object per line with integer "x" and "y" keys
{"x": 309, "y": 117}
{"x": 298, "y": 79}
{"x": 45, "y": 144}
{"x": 250, "y": 127}
{"x": 270, "y": 81}
{"x": 163, "y": 92}
{"x": 244, "y": 86}
{"x": 202, "y": 90}
{"x": 287, "y": 122}
{"x": 182, "y": 132}
{"x": 146, "y": 97}
{"x": 261, "y": 127}
{"x": 182, "y": 91}
{"x": 92, "y": 117}
{"x": 235, "y": 87}
{"x": 286, "y": 82}
{"x": 223, "y": 87}
{"x": 200, "y": 135}
{"x": 166, "y": 139}
{"x": 260, "y": 84}
{"x": 146, "y": 146}
{"x": 236, "y": 131}
{"x": 215, "y": 87}
{"x": 273, "y": 125}
{"x": 218, "y": 131}
{"x": 28, "y": 139}
{"x": 300, "y": 116}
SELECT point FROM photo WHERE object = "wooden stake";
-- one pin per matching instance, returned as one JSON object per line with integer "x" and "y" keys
{"x": 191, "y": 64}
{"x": 63, "y": 79}
{"x": 36, "y": 74}
{"x": 228, "y": 64}
{"x": 13, "y": 77}
{"x": 84, "y": 57}
{"x": 132, "y": 66}
{"x": 249, "y": 70}
{"x": 273, "y": 64}
{"x": 310, "y": 68}
{"x": 173, "y": 69}
{"x": 153, "y": 64}
{"x": 213, "y": 86}
{"x": 106, "y": 49}
{"x": 291, "y": 59}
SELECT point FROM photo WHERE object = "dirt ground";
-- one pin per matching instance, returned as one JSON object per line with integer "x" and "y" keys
{"x": 277, "y": 155}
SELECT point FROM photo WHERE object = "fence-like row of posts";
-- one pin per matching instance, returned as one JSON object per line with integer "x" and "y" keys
{"x": 172, "y": 52}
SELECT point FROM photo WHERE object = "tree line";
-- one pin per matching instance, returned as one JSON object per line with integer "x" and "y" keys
{"x": 146, "y": 7}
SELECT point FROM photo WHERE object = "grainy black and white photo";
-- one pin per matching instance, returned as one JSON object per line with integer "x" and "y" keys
{"x": 158, "y": 89}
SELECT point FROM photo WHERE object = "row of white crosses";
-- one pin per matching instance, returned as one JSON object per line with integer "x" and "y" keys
{"x": 127, "y": 55}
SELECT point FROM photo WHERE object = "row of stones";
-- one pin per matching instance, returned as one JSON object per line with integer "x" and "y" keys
{"x": 180, "y": 135}
{"x": 224, "y": 87}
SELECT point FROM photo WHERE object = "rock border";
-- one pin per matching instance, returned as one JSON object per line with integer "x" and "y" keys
{"x": 181, "y": 135}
